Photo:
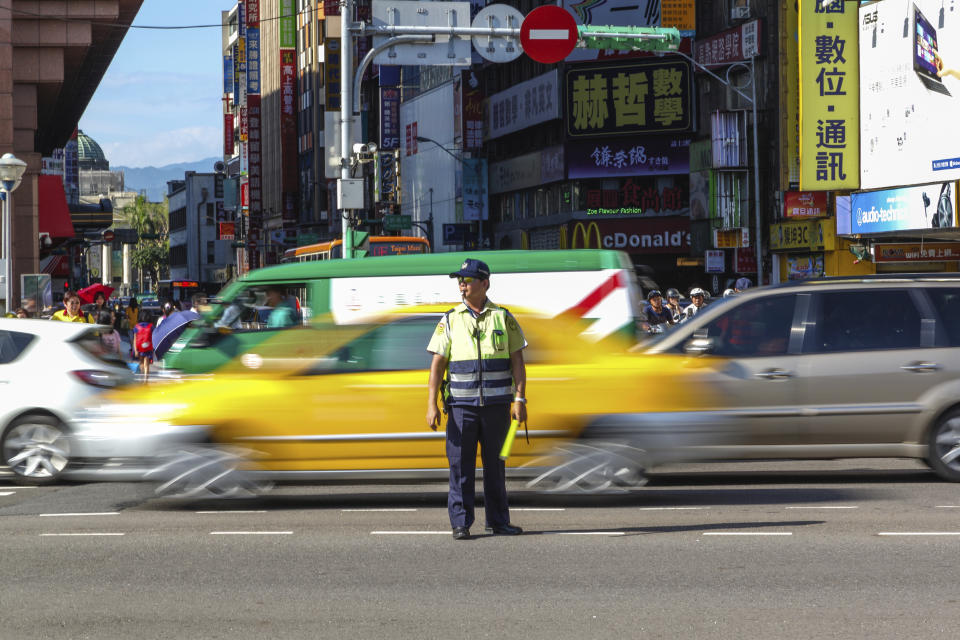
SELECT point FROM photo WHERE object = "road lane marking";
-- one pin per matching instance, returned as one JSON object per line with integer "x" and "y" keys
{"x": 373, "y": 510}
{"x": 410, "y": 533}
{"x": 672, "y": 508}
{"x": 919, "y": 533}
{"x": 825, "y": 507}
{"x": 584, "y": 533}
{"x": 234, "y": 511}
{"x": 7, "y": 493}
{"x": 52, "y": 535}
{"x": 747, "y": 533}
{"x": 537, "y": 509}
{"x": 948, "y": 506}
{"x": 251, "y": 533}
{"x": 100, "y": 513}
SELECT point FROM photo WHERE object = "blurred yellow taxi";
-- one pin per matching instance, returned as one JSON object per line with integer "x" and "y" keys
{"x": 358, "y": 410}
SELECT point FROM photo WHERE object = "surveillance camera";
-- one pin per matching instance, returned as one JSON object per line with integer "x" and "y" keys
{"x": 360, "y": 147}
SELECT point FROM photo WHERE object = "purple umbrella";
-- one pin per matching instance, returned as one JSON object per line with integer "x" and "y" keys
{"x": 170, "y": 329}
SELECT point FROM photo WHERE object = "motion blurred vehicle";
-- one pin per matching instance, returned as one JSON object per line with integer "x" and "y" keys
{"x": 596, "y": 285}
{"x": 47, "y": 369}
{"x": 358, "y": 412}
{"x": 834, "y": 368}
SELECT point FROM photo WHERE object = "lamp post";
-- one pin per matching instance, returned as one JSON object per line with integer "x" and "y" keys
{"x": 11, "y": 172}
{"x": 459, "y": 159}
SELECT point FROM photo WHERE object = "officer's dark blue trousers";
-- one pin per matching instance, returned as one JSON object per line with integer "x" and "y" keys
{"x": 466, "y": 426}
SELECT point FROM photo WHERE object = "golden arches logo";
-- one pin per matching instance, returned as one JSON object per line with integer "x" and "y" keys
{"x": 585, "y": 231}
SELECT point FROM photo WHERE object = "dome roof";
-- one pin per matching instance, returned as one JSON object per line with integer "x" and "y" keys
{"x": 89, "y": 153}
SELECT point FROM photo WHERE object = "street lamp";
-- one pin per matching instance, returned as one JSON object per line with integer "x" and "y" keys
{"x": 459, "y": 159}
{"x": 11, "y": 173}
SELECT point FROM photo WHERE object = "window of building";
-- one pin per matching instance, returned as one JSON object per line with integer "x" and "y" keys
{"x": 211, "y": 252}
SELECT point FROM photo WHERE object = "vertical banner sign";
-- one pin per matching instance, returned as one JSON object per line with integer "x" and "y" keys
{"x": 386, "y": 187}
{"x": 255, "y": 160}
{"x": 389, "y": 118}
{"x": 253, "y": 13}
{"x": 829, "y": 96}
{"x": 288, "y": 131}
{"x": 475, "y": 190}
{"x": 331, "y": 73}
{"x": 288, "y": 25}
{"x": 228, "y": 72}
{"x": 235, "y": 56}
{"x": 244, "y": 125}
{"x": 253, "y": 60}
{"x": 228, "y": 134}
{"x": 790, "y": 96}
{"x": 471, "y": 111}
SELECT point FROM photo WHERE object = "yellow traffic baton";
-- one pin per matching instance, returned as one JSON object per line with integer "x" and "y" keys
{"x": 508, "y": 441}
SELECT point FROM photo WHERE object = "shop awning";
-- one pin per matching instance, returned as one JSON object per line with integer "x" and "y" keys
{"x": 54, "y": 218}
{"x": 57, "y": 266}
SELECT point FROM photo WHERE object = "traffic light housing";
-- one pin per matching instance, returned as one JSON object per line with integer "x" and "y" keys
{"x": 628, "y": 38}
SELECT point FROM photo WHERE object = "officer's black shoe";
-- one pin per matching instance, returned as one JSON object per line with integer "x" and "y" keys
{"x": 461, "y": 533}
{"x": 503, "y": 530}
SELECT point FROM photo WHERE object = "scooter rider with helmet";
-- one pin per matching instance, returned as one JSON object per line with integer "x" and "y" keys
{"x": 698, "y": 301}
{"x": 673, "y": 304}
{"x": 656, "y": 316}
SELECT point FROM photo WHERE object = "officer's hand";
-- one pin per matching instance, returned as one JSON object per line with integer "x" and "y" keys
{"x": 518, "y": 412}
{"x": 433, "y": 417}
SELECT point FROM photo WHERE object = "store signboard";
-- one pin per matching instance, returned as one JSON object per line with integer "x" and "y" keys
{"x": 906, "y": 107}
{"x": 639, "y": 236}
{"x": 715, "y": 260}
{"x": 733, "y": 45}
{"x": 628, "y": 156}
{"x": 524, "y": 105}
{"x": 931, "y": 206}
{"x": 917, "y": 252}
{"x": 804, "y": 204}
{"x": 809, "y": 235}
{"x": 805, "y": 267}
{"x": 829, "y": 96}
{"x": 628, "y": 97}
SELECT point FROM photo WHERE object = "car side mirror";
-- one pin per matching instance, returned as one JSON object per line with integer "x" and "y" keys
{"x": 699, "y": 345}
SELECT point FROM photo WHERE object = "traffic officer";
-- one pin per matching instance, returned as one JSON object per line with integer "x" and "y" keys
{"x": 478, "y": 354}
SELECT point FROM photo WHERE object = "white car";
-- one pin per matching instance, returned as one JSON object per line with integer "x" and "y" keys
{"x": 47, "y": 369}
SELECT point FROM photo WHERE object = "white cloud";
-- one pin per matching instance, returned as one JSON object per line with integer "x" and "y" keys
{"x": 158, "y": 148}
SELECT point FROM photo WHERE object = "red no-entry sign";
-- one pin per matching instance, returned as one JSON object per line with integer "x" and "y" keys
{"x": 548, "y": 34}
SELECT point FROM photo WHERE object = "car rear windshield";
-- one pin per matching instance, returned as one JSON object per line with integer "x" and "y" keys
{"x": 90, "y": 342}
{"x": 13, "y": 344}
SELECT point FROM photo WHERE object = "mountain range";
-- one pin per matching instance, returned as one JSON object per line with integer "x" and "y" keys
{"x": 153, "y": 180}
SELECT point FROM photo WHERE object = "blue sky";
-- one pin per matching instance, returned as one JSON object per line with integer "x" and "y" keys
{"x": 160, "y": 100}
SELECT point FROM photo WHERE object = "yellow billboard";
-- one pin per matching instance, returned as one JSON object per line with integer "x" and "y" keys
{"x": 829, "y": 96}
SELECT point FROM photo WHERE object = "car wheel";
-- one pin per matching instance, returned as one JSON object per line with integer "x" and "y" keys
{"x": 597, "y": 467}
{"x": 204, "y": 472}
{"x": 944, "y": 447}
{"x": 36, "y": 449}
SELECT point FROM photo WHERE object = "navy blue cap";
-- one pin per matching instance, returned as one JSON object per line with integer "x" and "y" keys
{"x": 472, "y": 269}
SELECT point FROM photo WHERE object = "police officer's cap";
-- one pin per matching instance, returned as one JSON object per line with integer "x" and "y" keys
{"x": 472, "y": 269}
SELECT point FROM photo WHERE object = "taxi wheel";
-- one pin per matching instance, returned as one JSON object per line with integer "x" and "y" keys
{"x": 36, "y": 448}
{"x": 597, "y": 467}
{"x": 944, "y": 447}
{"x": 202, "y": 472}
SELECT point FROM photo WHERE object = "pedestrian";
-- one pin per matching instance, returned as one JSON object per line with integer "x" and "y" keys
{"x": 742, "y": 284}
{"x": 133, "y": 316}
{"x": 21, "y": 313}
{"x": 656, "y": 317}
{"x": 110, "y": 339}
{"x": 697, "y": 302}
{"x": 99, "y": 304}
{"x": 143, "y": 343}
{"x": 673, "y": 304}
{"x": 71, "y": 310}
{"x": 478, "y": 354}
{"x": 167, "y": 310}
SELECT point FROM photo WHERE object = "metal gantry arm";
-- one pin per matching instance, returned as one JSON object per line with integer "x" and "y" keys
{"x": 373, "y": 53}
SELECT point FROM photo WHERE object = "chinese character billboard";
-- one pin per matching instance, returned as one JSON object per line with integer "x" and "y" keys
{"x": 910, "y": 93}
{"x": 829, "y": 96}
{"x": 524, "y": 105}
{"x": 628, "y": 156}
{"x": 619, "y": 98}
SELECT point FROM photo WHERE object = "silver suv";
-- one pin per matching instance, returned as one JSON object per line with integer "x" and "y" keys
{"x": 836, "y": 368}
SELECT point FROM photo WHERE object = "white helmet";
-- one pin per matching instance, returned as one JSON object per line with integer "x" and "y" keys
{"x": 728, "y": 292}
{"x": 697, "y": 291}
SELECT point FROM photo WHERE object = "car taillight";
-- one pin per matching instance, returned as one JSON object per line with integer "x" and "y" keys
{"x": 102, "y": 379}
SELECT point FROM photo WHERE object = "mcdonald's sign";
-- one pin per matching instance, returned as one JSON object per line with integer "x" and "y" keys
{"x": 585, "y": 232}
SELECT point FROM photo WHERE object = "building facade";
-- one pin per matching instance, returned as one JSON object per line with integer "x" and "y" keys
{"x": 196, "y": 253}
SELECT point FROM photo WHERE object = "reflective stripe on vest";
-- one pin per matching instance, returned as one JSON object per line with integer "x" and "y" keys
{"x": 484, "y": 378}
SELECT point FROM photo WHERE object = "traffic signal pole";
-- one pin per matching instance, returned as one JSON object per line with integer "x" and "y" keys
{"x": 346, "y": 117}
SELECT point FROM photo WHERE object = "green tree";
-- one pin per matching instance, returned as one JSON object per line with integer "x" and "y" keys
{"x": 151, "y": 220}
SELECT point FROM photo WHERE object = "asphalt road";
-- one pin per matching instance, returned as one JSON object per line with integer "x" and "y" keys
{"x": 840, "y": 549}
